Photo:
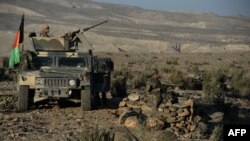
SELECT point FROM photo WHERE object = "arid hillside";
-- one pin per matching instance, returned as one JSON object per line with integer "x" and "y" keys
{"x": 129, "y": 29}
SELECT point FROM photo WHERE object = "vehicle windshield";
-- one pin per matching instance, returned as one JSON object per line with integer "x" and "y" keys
{"x": 43, "y": 61}
{"x": 72, "y": 62}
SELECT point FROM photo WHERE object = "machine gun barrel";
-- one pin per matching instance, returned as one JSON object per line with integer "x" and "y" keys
{"x": 88, "y": 28}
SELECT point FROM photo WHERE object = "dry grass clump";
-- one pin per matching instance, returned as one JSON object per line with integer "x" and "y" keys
{"x": 172, "y": 61}
{"x": 216, "y": 133}
{"x": 240, "y": 81}
{"x": 139, "y": 81}
{"x": 8, "y": 102}
{"x": 119, "y": 82}
{"x": 237, "y": 81}
{"x": 168, "y": 70}
{"x": 177, "y": 78}
{"x": 96, "y": 134}
{"x": 211, "y": 87}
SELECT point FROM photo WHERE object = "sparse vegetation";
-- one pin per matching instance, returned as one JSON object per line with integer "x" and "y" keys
{"x": 211, "y": 87}
{"x": 172, "y": 61}
{"x": 8, "y": 102}
{"x": 96, "y": 134}
{"x": 176, "y": 78}
{"x": 240, "y": 81}
{"x": 167, "y": 70}
{"x": 139, "y": 80}
{"x": 216, "y": 133}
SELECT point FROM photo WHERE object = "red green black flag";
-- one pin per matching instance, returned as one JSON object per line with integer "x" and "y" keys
{"x": 15, "y": 52}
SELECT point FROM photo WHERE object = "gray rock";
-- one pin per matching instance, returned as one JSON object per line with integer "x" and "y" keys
{"x": 154, "y": 123}
{"x": 168, "y": 104}
{"x": 132, "y": 104}
{"x": 171, "y": 120}
{"x": 172, "y": 114}
{"x": 173, "y": 108}
{"x": 201, "y": 128}
{"x": 123, "y": 134}
{"x": 146, "y": 108}
{"x": 160, "y": 109}
{"x": 192, "y": 128}
{"x": 122, "y": 103}
{"x": 216, "y": 115}
{"x": 164, "y": 135}
{"x": 131, "y": 122}
{"x": 134, "y": 97}
{"x": 184, "y": 113}
{"x": 162, "y": 106}
{"x": 167, "y": 111}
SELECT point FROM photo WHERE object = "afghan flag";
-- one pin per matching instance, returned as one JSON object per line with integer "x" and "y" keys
{"x": 15, "y": 52}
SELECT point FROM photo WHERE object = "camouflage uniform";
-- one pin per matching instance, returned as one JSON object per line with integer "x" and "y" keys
{"x": 154, "y": 86}
{"x": 26, "y": 61}
{"x": 153, "y": 83}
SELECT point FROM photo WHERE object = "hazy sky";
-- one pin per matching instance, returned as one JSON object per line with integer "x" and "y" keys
{"x": 219, "y": 7}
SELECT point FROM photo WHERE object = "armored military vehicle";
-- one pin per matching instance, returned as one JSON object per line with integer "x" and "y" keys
{"x": 56, "y": 70}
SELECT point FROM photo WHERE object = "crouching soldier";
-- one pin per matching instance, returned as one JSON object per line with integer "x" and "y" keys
{"x": 155, "y": 87}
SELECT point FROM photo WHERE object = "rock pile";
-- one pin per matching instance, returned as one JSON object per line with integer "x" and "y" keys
{"x": 172, "y": 111}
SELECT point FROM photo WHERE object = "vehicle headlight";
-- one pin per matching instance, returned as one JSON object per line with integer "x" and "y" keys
{"x": 39, "y": 82}
{"x": 85, "y": 69}
{"x": 72, "y": 82}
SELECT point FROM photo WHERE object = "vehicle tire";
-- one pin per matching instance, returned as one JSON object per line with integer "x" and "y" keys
{"x": 23, "y": 98}
{"x": 86, "y": 99}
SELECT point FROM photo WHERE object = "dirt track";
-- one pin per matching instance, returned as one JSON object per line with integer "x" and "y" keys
{"x": 52, "y": 123}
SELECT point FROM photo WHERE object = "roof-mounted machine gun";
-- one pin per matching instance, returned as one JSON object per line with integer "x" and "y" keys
{"x": 88, "y": 28}
{"x": 78, "y": 36}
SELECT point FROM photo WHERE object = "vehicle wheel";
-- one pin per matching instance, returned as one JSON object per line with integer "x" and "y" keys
{"x": 86, "y": 99}
{"x": 23, "y": 98}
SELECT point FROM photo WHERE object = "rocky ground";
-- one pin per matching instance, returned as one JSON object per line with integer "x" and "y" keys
{"x": 120, "y": 119}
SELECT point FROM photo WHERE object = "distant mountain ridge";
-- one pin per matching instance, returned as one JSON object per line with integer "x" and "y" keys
{"x": 129, "y": 28}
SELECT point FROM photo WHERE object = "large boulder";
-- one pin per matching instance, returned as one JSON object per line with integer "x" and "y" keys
{"x": 164, "y": 135}
{"x": 123, "y": 134}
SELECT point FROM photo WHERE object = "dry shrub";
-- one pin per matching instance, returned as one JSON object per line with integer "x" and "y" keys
{"x": 172, "y": 61}
{"x": 240, "y": 81}
{"x": 125, "y": 72}
{"x": 119, "y": 87}
{"x": 168, "y": 69}
{"x": 216, "y": 133}
{"x": 8, "y": 102}
{"x": 139, "y": 81}
{"x": 177, "y": 78}
{"x": 211, "y": 87}
{"x": 96, "y": 134}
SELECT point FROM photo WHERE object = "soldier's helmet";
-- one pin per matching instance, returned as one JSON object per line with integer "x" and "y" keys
{"x": 45, "y": 27}
{"x": 154, "y": 71}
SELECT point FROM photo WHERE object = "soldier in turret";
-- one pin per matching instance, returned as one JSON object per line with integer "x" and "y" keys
{"x": 45, "y": 30}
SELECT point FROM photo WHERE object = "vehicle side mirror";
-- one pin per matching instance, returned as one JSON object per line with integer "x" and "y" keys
{"x": 32, "y": 34}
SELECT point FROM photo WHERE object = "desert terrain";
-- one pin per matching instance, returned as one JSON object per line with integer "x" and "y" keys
{"x": 203, "y": 47}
